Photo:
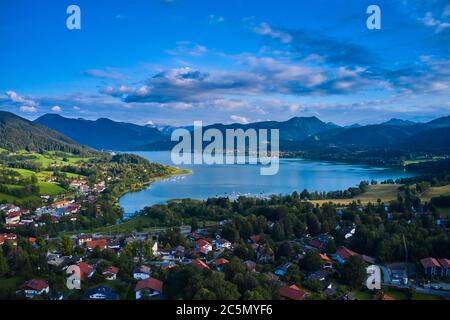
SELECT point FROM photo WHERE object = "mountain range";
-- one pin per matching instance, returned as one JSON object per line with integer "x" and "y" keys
{"x": 295, "y": 134}
{"x": 102, "y": 133}
{"x": 53, "y": 131}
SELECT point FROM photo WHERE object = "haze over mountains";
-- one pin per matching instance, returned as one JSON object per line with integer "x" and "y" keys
{"x": 299, "y": 133}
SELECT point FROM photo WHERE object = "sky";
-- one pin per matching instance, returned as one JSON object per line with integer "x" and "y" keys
{"x": 177, "y": 61}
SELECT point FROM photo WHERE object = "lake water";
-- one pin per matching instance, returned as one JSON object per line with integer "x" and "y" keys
{"x": 234, "y": 180}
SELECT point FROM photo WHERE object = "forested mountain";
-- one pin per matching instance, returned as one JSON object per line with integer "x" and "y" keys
{"x": 102, "y": 133}
{"x": 17, "y": 133}
{"x": 298, "y": 133}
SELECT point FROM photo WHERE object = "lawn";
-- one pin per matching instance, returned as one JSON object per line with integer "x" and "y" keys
{"x": 140, "y": 222}
{"x": 385, "y": 192}
{"x": 445, "y": 212}
{"x": 48, "y": 188}
{"x": 362, "y": 295}
{"x": 435, "y": 192}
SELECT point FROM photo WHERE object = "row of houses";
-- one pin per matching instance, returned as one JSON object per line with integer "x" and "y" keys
{"x": 436, "y": 267}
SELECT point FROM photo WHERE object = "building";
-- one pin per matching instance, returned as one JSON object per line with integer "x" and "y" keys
{"x": 86, "y": 270}
{"x": 431, "y": 266}
{"x": 35, "y": 287}
{"x": 202, "y": 246}
{"x": 100, "y": 293}
{"x": 445, "y": 267}
{"x": 110, "y": 273}
{"x": 150, "y": 288}
{"x": 220, "y": 263}
{"x": 200, "y": 264}
{"x": 141, "y": 273}
{"x": 13, "y": 218}
{"x": 101, "y": 244}
{"x": 292, "y": 292}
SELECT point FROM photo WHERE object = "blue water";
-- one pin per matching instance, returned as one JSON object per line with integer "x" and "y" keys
{"x": 233, "y": 180}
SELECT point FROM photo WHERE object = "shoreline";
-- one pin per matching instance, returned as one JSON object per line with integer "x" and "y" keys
{"x": 174, "y": 172}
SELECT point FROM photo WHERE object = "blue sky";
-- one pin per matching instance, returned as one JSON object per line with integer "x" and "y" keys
{"x": 176, "y": 61}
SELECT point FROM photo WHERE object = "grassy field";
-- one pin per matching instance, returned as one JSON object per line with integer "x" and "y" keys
{"x": 137, "y": 223}
{"x": 385, "y": 192}
{"x": 435, "y": 192}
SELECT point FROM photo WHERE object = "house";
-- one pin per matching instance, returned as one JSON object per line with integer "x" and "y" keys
{"x": 200, "y": 264}
{"x": 431, "y": 266}
{"x": 223, "y": 244}
{"x": 445, "y": 267}
{"x": 100, "y": 293}
{"x": 202, "y": 246}
{"x": 264, "y": 254}
{"x": 168, "y": 264}
{"x": 8, "y": 237}
{"x": 100, "y": 243}
{"x": 60, "y": 204}
{"x": 343, "y": 253}
{"x": 86, "y": 270}
{"x": 327, "y": 264}
{"x": 249, "y": 265}
{"x": 56, "y": 296}
{"x": 141, "y": 273}
{"x": 110, "y": 273}
{"x": 13, "y": 218}
{"x": 83, "y": 238}
{"x": 316, "y": 244}
{"x": 150, "y": 287}
{"x": 179, "y": 252}
{"x": 35, "y": 287}
{"x": 220, "y": 263}
{"x": 282, "y": 270}
{"x": 317, "y": 276}
{"x": 292, "y": 292}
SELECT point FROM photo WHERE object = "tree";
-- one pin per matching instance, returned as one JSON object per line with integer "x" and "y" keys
{"x": 312, "y": 261}
{"x": 330, "y": 247}
{"x": 354, "y": 271}
{"x": 204, "y": 294}
{"x": 4, "y": 268}
{"x": 66, "y": 246}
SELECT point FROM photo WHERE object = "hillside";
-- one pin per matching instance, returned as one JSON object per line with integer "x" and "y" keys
{"x": 102, "y": 133}
{"x": 17, "y": 133}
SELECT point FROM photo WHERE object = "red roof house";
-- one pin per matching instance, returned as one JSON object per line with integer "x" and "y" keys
{"x": 148, "y": 287}
{"x": 200, "y": 264}
{"x": 292, "y": 293}
{"x": 101, "y": 244}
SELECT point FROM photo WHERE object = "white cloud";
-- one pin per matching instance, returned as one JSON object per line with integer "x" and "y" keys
{"x": 215, "y": 19}
{"x": 239, "y": 119}
{"x": 30, "y": 109}
{"x": 187, "y": 48}
{"x": 76, "y": 108}
{"x": 266, "y": 30}
{"x": 430, "y": 21}
{"x": 14, "y": 97}
{"x": 107, "y": 73}
{"x": 56, "y": 109}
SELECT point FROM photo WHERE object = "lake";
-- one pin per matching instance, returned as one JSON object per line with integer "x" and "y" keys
{"x": 245, "y": 179}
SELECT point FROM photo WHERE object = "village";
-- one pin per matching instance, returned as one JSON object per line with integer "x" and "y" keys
{"x": 150, "y": 258}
